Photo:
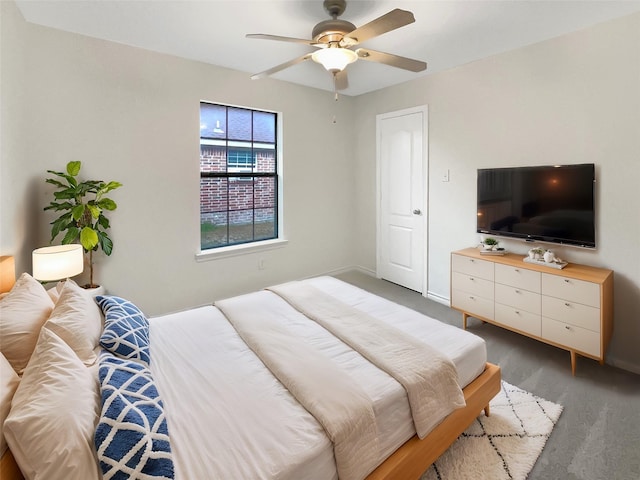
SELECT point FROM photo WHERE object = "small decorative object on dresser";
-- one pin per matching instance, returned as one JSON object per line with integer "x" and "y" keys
{"x": 536, "y": 253}
{"x": 549, "y": 256}
{"x": 490, "y": 243}
{"x": 570, "y": 308}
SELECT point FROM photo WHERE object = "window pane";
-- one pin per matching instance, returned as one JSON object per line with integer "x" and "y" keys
{"x": 265, "y": 192}
{"x": 240, "y": 193}
{"x": 265, "y": 160}
{"x": 213, "y": 158}
{"x": 213, "y": 195}
{"x": 213, "y": 230}
{"x": 241, "y": 226}
{"x": 239, "y": 124}
{"x": 265, "y": 226}
{"x": 213, "y": 121}
{"x": 264, "y": 127}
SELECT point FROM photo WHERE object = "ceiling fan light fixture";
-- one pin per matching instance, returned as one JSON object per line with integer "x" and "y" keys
{"x": 334, "y": 59}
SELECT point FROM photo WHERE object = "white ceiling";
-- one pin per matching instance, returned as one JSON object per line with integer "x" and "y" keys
{"x": 447, "y": 33}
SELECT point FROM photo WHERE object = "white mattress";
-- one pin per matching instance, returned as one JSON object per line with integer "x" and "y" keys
{"x": 230, "y": 418}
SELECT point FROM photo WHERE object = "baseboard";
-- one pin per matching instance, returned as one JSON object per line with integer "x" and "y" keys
{"x": 350, "y": 268}
{"x": 623, "y": 364}
{"x": 438, "y": 298}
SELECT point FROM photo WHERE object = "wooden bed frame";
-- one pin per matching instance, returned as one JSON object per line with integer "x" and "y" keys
{"x": 413, "y": 458}
{"x": 408, "y": 462}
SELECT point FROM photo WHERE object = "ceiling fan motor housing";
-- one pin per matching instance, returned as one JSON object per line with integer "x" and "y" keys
{"x": 331, "y": 30}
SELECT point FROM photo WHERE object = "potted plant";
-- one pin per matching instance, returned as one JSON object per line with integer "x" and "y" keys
{"x": 536, "y": 253}
{"x": 490, "y": 243}
{"x": 84, "y": 204}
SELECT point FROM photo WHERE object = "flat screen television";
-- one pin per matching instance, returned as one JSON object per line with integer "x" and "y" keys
{"x": 543, "y": 203}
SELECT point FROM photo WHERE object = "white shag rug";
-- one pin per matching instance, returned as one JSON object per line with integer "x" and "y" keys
{"x": 505, "y": 445}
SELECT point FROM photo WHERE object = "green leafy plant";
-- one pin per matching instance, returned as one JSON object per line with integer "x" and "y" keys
{"x": 83, "y": 204}
{"x": 490, "y": 241}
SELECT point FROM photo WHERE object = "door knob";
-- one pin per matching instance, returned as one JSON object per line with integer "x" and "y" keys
{"x": 417, "y": 211}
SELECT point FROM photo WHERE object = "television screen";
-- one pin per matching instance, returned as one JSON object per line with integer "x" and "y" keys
{"x": 544, "y": 203}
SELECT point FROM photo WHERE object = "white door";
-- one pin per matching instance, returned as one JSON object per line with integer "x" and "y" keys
{"x": 401, "y": 166}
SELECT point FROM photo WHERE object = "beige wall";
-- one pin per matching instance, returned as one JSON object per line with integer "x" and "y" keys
{"x": 132, "y": 115}
{"x": 574, "y": 99}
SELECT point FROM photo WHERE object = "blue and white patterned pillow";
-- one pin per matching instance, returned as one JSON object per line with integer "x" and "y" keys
{"x": 126, "y": 329}
{"x": 132, "y": 438}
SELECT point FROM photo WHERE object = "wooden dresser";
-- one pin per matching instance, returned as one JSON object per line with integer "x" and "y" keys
{"x": 571, "y": 308}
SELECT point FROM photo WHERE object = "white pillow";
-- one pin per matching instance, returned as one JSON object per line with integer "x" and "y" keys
{"x": 22, "y": 314}
{"x": 78, "y": 320}
{"x": 54, "y": 414}
{"x": 9, "y": 381}
{"x": 54, "y": 292}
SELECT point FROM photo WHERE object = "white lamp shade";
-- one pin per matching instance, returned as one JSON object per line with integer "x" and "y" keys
{"x": 57, "y": 262}
{"x": 334, "y": 59}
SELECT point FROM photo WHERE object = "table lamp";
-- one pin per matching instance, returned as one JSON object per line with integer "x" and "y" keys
{"x": 57, "y": 262}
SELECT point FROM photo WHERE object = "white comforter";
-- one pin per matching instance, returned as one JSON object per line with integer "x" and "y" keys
{"x": 230, "y": 418}
{"x": 428, "y": 376}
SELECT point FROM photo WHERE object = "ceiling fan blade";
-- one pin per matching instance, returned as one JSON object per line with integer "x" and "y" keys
{"x": 394, "y": 19}
{"x": 264, "y": 36}
{"x": 392, "y": 60}
{"x": 341, "y": 80}
{"x": 282, "y": 66}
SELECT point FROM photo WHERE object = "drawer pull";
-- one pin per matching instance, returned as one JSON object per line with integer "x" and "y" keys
{"x": 517, "y": 270}
{"x": 567, "y": 280}
{"x": 471, "y": 278}
{"x": 567, "y": 304}
{"x": 517, "y": 291}
{"x": 517, "y": 312}
{"x": 472, "y": 298}
{"x": 567, "y": 327}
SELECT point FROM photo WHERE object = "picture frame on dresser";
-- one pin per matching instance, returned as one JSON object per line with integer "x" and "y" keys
{"x": 571, "y": 308}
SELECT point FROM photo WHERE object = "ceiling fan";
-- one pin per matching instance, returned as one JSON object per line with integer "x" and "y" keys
{"x": 335, "y": 39}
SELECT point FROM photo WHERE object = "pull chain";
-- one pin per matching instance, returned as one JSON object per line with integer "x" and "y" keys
{"x": 335, "y": 93}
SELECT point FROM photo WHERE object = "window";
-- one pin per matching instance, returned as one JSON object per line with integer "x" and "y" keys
{"x": 238, "y": 176}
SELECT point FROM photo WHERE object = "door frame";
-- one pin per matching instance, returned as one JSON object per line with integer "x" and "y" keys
{"x": 425, "y": 185}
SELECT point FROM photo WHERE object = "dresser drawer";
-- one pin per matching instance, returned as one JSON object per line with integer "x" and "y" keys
{"x": 472, "y": 304}
{"x": 518, "y": 319}
{"x": 571, "y": 312}
{"x": 475, "y": 285}
{"x": 472, "y": 266}
{"x": 518, "y": 298}
{"x": 570, "y": 336}
{"x": 572, "y": 290}
{"x": 518, "y": 277}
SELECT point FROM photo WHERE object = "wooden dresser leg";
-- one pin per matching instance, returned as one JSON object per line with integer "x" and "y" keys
{"x": 573, "y": 363}
{"x": 464, "y": 320}
{"x": 487, "y": 411}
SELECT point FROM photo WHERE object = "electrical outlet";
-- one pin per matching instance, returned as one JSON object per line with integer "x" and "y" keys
{"x": 445, "y": 175}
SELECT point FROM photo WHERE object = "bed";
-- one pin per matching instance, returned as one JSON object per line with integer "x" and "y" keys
{"x": 223, "y": 399}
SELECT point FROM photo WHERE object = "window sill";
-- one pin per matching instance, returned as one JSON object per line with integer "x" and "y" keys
{"x": 235, "y": 250}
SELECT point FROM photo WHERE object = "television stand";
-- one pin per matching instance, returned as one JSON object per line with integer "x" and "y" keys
{"x": 570, "y": 308}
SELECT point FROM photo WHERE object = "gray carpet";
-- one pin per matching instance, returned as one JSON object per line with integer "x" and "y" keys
{"x": 598, "y": 434}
